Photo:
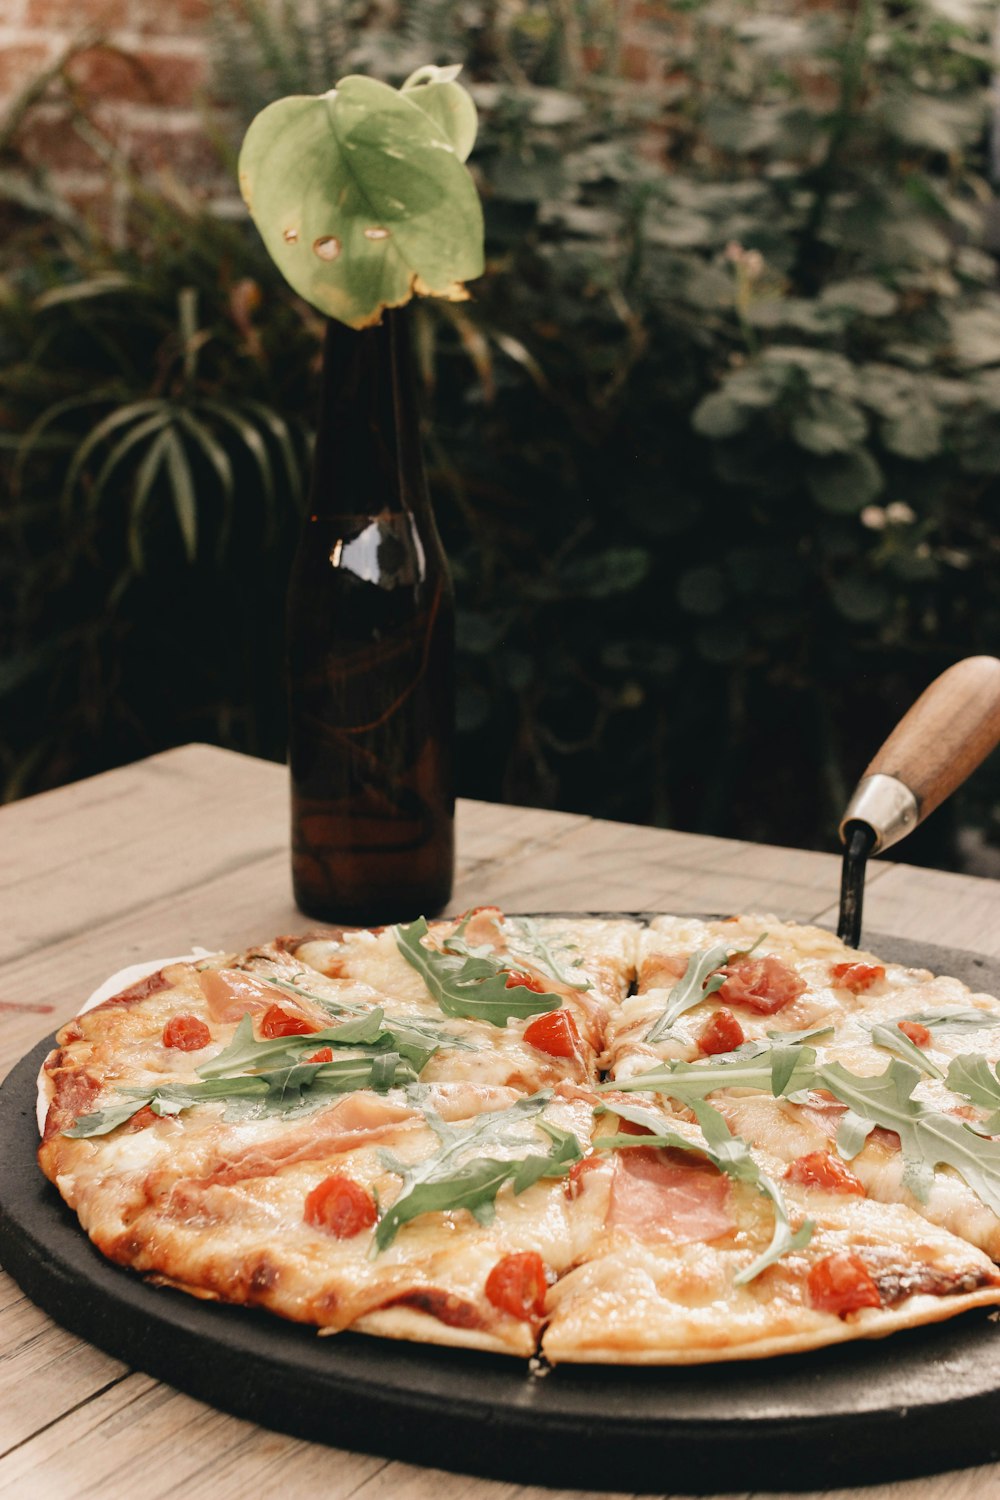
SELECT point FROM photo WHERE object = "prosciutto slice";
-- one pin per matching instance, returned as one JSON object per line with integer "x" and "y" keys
{"x": 661, "y": 1196}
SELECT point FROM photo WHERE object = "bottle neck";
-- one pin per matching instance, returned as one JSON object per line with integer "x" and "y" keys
{"x": 368, "y": 458}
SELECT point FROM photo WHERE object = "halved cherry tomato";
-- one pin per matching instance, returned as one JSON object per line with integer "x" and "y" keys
{"x": 324, "y": 1055}
{"x": 186, "y": 1033}
{"x": 722, "y": 1033}
{"x": 517, "y": 1285}
{"x": 856, "y": 977}
{"x": 555, "y": 1033}
{"x": 841, "y": 1284}
{"x": 918, "y": 1035}
{"x": 823, "y": 1170}
{"x": 277, "y": 1022}
{"x": 341, "y": 1206}
{"x": 573, "y": 1182}
{"x": 516, "y": 980}
{"x": 764, "y": 984}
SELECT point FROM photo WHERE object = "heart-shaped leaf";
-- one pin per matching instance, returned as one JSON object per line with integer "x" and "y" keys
{"x": 361, "y": 195}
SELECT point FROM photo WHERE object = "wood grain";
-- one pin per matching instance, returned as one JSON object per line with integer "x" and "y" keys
{"x": 948, "y": 732}
{"x": 191, "y": 847}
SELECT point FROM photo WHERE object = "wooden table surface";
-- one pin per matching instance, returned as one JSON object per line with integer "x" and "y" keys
{"x": 190, "y": 847}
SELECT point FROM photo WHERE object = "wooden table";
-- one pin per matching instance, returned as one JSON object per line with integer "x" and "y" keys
{"x": 190, "y": 847}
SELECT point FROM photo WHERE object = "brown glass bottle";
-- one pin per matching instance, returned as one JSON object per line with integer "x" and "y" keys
{"x": 370, "y": 650}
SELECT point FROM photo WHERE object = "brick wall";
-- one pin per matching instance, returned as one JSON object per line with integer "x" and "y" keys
{"x": 132, "y": 79}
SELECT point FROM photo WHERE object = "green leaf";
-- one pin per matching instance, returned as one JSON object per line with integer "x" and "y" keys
{"x": 458, "y": 1176}
{"x": 846, "y": 483}
{"x": 957, "y": 1018}
{"x": 688, "y": 1082}
{"x": 829, "y": 424}
{"x": 972, "y": 1076}
{"x": 525, "y": 940}
{"x": 726, "y": 1151}
{"x": 719, "y": 416}
{"x": 701, "y": 979}
{"x": 253, "y": 1095}
{"x": 891, "y": 1039}
{"x": 182, "y": 486}
{"x": 474, "y": 987}
{"x": 862, "y": 295}
{"x": 361, "y": 197}
{"x": 245, "y": 1051}
{"x": 852, "y": 1133}
{"x": 928, "y": 1138}
{"x": 446, "y": 103}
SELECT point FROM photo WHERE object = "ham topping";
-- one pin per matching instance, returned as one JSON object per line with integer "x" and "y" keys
{"x": 354, "y": 1121}
{"x": 764, "y": 985}
{"x": 667, "y": 1195}
{"x": 230, "y": 994}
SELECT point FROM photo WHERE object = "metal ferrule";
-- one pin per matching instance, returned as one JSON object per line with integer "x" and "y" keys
{"x": 887, "y": 805}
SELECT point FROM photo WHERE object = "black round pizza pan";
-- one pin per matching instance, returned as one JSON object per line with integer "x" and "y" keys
{"x": 920, "y": 1402}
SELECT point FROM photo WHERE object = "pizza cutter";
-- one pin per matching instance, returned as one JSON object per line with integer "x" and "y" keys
{"x": 948, "y": 732}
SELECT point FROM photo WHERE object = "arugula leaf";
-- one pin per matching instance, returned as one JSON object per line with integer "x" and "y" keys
{"x": 474, "y": 987}
{"x": 955, "y": 1019}
{"x": 730, "y": 1154}
{"x": 852, "y": 1132}
{"x": 971, "y": 1076}
{"x": 455, "y": 1176}
{"x": 251, "y": 1095}
{"x": 245, "y": 1051}
{"x": 891, "y": 1039}
{"x": 531, "y": 944}
{"x": 928, "y": 1138}
{"x": 701, "y": 979}
{"x": 773, "y": 1070}
{"x": 331, "y": 1006}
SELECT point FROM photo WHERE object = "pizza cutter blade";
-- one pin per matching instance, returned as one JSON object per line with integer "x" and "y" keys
{"x": 948, "y": 732}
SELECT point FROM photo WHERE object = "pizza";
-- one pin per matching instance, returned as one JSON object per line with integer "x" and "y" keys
{"x": 587, "y": 1139}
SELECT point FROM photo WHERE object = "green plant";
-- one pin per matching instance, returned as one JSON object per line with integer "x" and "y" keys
{"x": 714, "y": 446}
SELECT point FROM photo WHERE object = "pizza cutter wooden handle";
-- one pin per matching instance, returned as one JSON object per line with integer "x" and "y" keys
{"x": 947, "y": 733}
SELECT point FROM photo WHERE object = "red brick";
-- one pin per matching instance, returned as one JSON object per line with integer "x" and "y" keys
{"x": 159, "y": 18}
{"x": 72, "y": 15}
{"x": 19, "y": 65}
{"x": 189, "y": 155}
{"x": 139, "y": 78}
{"x": 50, "y": 141}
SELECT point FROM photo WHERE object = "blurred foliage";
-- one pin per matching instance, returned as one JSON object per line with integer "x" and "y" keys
{"x": 715, "y": 448}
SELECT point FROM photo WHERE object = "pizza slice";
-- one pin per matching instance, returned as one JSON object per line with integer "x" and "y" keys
{"x": 543, "y": 987}
{"x": 704, "y": 1257}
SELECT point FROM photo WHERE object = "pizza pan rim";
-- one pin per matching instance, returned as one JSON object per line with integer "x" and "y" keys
{"x": 921, "y": 1401}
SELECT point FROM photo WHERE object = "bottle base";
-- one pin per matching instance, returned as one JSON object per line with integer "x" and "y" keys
{"x": 374, "y": 913}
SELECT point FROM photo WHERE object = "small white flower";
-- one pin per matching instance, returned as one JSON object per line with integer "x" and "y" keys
{"x": 899, "y": 513}
{"x": 873, "y": 516}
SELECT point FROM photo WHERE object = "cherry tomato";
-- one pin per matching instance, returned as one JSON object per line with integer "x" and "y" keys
{"x": 722, "y": 1033}
{"x": 324, "y": 1055}
{"x": 555, "y": 1033}
{"x": 186, "y": 1033}
{"x": 918, "y": 1035}
{"x": 856, "y": 977}
{"x": 277, "y": 1022}
{"x": 517, "y": 1285}
{"x": 341, "y": 1206}
{"x": 573, "y": 1184}
{"x": 823, "y": 1170}
{"x": 841, "y": 1284}
{"x": 516, "y": 980}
